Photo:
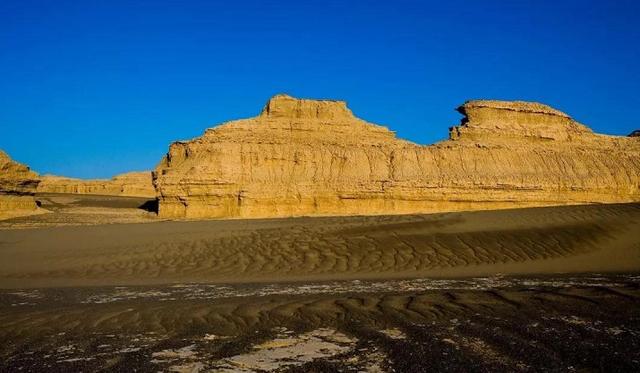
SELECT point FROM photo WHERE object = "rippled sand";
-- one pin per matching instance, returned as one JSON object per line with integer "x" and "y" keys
{"x": 580, "y": 323}
{"x": 523, "y": 241}
{"x": 543, "y": 289}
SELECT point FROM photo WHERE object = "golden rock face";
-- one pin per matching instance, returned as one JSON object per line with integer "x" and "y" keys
{"x": 283, "y": 106}
{"x": 502, "y": 121}
{"x": 131, "y": 184}
{"x": 17, "y": 187}
{"x": 314, "y": 157}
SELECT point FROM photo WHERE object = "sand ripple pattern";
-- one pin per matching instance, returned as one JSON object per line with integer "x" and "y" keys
{"x": 532, "y": 325}
{"x": 320, "y": 248}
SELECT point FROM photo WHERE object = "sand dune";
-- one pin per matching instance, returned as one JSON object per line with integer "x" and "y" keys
{"x": 376, "y": 293}
{"x": 537, "y": 240}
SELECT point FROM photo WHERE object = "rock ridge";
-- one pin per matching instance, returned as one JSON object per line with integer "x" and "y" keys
{"x": 17, "y": 188}
{"x": 314, "y": 157}
{"x": 283, "y": 105}
{"x": 519, "y": 106}
{"x": 130, "y": 184}
{"x": 496, "y": 121}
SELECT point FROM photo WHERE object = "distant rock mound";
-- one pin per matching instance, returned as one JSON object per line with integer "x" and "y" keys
{"x": 314, "y": 157}
{"x": 635, "y": 133}
{"x": 131, "y": 184}
{"x": 17, "y": 187}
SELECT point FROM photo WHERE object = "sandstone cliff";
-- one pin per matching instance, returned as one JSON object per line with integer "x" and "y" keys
{"x": 17, "y": 187}
{"x": 132, "y": 184}
{"x": 310, "y": 157}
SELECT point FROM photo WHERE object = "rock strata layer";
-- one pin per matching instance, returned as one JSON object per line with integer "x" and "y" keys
{"x": 314, "y": 157}
{"x": 132, "y": 184}
{"x": 17, "y": 187}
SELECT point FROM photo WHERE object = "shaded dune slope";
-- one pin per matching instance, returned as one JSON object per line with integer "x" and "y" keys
{"x": 537, "y": 240}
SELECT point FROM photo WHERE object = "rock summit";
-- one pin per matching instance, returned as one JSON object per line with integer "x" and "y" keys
{"x": 314, "y": 157}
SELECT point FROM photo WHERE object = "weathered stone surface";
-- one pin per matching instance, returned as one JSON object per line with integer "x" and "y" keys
{"x": 17, "y": 187}
{"x": 133, "y": 184}
{"x": 311, "y": 157}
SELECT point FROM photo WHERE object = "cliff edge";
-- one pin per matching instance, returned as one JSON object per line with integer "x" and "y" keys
{"x": 314, "y": 157}
{"x": 17, "y": 187}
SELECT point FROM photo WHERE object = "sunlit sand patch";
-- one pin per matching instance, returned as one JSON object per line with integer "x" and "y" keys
{"x": 26, "y": 297}
{"x": 214, "y": 291}
{"x": 30, "y": 294}
{"x": 69, "y": 354}
{"x": 75, "y": 359}
{"x": 187, "y": 368}
{"x": 214, "y": 337}
{"x": 370, "y": 361}
{"x": 450, "y": 341}
{"x": 592, "y": 325}
{"x": 187, "y": 352}
{"x": 287, "y": 350}
{"x": 124, "y": 294}
{"x": 128, "y": 350}
{"x": 66, "y": 349}
{"x": 394, "y": 333}
{"x": 614, "y": 331}
{"x": 483, "y": 349}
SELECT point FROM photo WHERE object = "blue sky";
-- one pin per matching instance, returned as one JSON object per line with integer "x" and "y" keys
{"x": 95, "y": 88}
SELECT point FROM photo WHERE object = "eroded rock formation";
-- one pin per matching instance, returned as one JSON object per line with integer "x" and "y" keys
{"x": 132, "y": 184}
{"x": 17, "y": 187}
{"x": 314, "y": 157}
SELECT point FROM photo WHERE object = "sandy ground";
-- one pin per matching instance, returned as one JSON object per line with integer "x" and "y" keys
{"x": 558, "y": 324}
{"x": 100, "y": 284}
{"x": 58, "y": 210}
{"x": 569, "y": 239}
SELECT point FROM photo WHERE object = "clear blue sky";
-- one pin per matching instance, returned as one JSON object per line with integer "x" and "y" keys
{"x": 95, "y": 88}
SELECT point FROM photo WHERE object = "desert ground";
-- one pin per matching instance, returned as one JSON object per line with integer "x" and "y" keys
{"x": 101, "y": 284}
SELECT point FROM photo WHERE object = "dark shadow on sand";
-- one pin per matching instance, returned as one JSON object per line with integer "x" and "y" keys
{"x": 150, "y": 206}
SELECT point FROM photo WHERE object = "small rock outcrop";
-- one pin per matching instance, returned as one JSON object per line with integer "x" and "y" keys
{"x": 314, "y": 157}
{"x": 635, "y": 133}
{"x": 131, "y": 184}
{"x": 490, "y": 121}
{"x": 17, "y": 187}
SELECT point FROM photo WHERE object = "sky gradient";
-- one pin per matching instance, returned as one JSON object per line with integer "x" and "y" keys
{"x": 95, "y": 88}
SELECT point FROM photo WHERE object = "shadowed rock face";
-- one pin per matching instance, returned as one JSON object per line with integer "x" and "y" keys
{"x": 17, "y": 186}
{"x": 635, "y": 133}
{"x": 132, "y": 184}
{"x": 314, "y": 157}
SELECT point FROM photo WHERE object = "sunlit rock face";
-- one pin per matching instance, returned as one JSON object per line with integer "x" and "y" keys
{"x": 17, "y": 187}
{"x": 131, "y": 184}
{"x": 489, "y": 121}
{"x": 314, "y": 157}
